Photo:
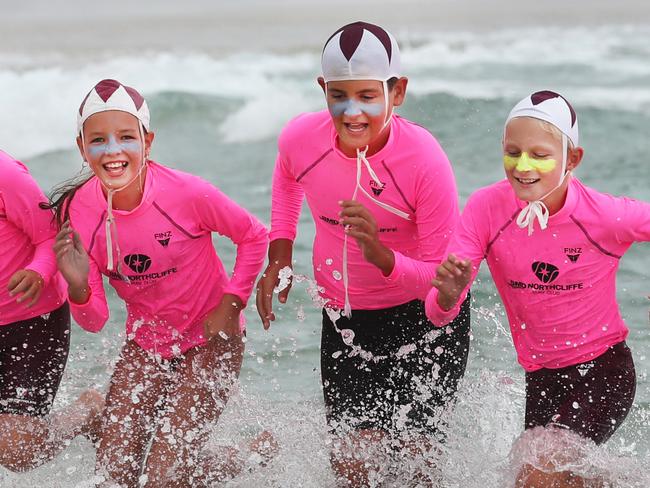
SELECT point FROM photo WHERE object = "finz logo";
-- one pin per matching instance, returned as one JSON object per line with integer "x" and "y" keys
{"x": 573, "y": 253}
{"x": 376, "y": 187}
{"x": 163, "y": 237}
{"x": 545, "y": 272}
{"x": 139, "y": 263}
{"x": 584, "y": 368}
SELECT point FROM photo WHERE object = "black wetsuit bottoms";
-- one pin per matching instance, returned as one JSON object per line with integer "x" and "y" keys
{"x": 591, "y": 399}
{"x": 33, "y": 354}
{"x": 399, "y": 371}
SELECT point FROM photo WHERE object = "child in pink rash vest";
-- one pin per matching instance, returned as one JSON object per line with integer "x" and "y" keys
{"x": 170, "y": 277}
{"x": 148, "y": 228}
{"x": 31, "y": 231}
{"x": 416, "y": 177}
{"x": 383, "y": 199}
{"x": 34, "y": 330}
{"x": 553, "y": 246}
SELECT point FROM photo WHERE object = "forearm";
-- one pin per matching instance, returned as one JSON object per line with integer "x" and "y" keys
{"x": 79, "y": 294}
{"x": 384, "y": 259}
{"x": 280, "y": 251}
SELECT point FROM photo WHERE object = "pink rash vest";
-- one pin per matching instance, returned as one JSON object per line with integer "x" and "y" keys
{"x": 558, "y": 285}
{"x": 166, "y": 252}
{"x": 26, "y": 238}
{"x": 416, "y": 178}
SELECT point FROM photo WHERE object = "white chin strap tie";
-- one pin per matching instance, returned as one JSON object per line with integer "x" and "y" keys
{"x": 537, "y": 209}
{"x": 110, "y": 225}
{"x": 361, "y": 158}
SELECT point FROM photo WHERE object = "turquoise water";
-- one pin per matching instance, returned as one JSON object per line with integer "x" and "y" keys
{"x": 218, "y": 118}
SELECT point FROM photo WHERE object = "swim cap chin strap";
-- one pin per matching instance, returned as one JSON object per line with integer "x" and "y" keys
{"x": 110, "y": 225}
{"x": 361, "y": 158}
{"x": 537, "y": 209}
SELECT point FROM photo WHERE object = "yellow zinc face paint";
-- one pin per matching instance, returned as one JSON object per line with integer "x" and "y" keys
{"x": 526, "y": 163}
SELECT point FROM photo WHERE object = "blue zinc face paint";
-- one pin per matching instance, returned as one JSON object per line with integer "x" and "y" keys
{"x": 113, "y": 146}
{"x": 354, "y": 107}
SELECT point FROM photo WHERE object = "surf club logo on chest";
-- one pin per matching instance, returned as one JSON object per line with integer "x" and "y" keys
{"x": 546, "y": 275}
{"x": 140, "y": 263}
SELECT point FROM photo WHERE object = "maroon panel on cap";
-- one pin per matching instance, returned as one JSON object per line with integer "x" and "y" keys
{"x": 542, "y": 96}
{"x": 135, "y": 96}
{"x": 106, "y": 88}
{"x": 351, "y": 35}
{"x": 81, "y": 107}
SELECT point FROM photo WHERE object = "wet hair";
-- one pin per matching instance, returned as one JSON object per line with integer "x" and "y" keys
{"x": 390, "y": 83}
{"x": 62, "y": 195}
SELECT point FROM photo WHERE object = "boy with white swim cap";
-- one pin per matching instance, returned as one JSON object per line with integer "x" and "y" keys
{"x": 383, "y": 198}
{"x": 553, "y": 246}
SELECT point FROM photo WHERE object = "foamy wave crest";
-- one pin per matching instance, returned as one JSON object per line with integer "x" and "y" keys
{"x": 39, "y": 105}
{"x": 603, "y": 67}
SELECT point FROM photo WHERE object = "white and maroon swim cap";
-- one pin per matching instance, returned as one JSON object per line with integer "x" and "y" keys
{"x": 113, "y": 95}
{"x": 550, "y": 107}
{"x": 360, "y": 51}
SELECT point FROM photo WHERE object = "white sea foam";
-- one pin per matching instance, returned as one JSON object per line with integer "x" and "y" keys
{"x": 604, "y": 67}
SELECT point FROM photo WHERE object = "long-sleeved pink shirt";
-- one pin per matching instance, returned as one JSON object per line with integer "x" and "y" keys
{"x": 174, "y": 274}
{"x": 416, "y": 178}
{"x": 558, "y": 285}
{"x": 26, "y": 239}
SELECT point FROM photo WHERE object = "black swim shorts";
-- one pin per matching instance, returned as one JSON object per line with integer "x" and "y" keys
{"x": 591, "y": 399}
{"x": 33, "y": 355}
{"x": 413, "y": 371}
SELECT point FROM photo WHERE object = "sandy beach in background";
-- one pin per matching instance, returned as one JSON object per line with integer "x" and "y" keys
{"x": 80, "y": 30}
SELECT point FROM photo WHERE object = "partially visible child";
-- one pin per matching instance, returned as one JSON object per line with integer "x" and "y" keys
{"x": 553, "y": 246}
{"x": 184, "y": 345}
{"x": 34, "y": 329}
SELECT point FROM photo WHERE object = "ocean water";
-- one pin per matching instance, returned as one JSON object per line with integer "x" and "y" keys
{"x": 218, "y": 117}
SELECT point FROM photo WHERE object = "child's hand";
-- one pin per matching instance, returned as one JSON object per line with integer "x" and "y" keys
{"x": 360, "y": 224}
{"x": 452, "y": 276}
{"x": 280, "y": 252}
{"x": 27, "y": 284}
{"x": 72, "y": 261}
{"x": 224, "y": 319}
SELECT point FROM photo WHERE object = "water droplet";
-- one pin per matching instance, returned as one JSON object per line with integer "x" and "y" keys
{"x": 336, "y": 275}
{"x": 329, "y": 261}
{"x": 576, "y": 405}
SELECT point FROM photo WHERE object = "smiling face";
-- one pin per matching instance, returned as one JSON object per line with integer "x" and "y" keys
{"x": 112, "y": 146}
{"x": 533, "y": 158}
{"x": 358, "y": 110}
